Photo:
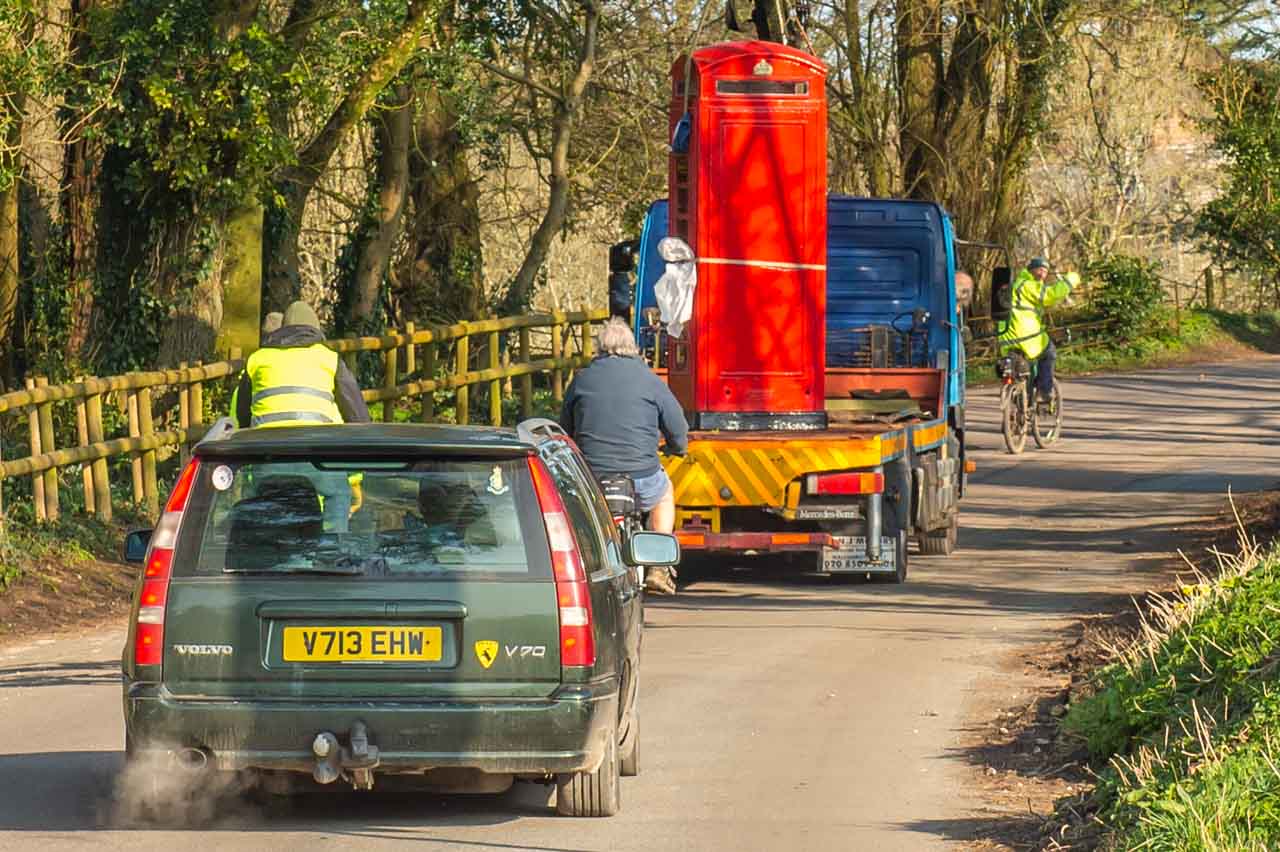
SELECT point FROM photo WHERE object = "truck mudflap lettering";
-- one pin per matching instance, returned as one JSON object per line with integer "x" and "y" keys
{"x": 850, "y": 556}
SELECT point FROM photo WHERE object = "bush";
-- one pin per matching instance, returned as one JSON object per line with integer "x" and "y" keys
{"x": 1130, "y": 297}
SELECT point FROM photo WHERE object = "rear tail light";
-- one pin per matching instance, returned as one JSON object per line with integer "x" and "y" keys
{"x": 577, "y": 644}
{"x": 846, "y": 483}
{"x": 148, "y": 641}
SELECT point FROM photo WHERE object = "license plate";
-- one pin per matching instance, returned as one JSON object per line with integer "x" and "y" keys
{"x": 362, "y": 644}
{"x": 850, "y": 554}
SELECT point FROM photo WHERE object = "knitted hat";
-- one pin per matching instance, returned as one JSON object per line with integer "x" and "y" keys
{"x": 300, "y": 313}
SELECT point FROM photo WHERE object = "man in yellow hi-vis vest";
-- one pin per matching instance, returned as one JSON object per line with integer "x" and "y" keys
{"x": 1030, "y": 295}
{"x": 295, "y": 380}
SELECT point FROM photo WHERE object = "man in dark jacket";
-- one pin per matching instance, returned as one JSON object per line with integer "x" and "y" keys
{"x": 617, "y": 409}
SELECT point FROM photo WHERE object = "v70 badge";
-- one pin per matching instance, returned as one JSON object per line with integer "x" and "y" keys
{"x": 537, "y": 651}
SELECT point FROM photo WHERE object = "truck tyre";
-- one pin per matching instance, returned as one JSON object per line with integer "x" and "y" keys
{"x": 630, "y": 763}
{"x": 593, "y": 794}
{"x": 940, "y": 542}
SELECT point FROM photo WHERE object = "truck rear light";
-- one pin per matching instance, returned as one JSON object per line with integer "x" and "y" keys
{"x": 148, "y": 636}
{"x": 573, "y": 596}
{"x": 846, "y": 483}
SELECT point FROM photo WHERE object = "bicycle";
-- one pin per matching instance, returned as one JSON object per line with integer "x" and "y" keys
{"x": 1020, "y": 412}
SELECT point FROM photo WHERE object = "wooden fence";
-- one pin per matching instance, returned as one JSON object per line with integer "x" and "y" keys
{"x": 416, "y": 364}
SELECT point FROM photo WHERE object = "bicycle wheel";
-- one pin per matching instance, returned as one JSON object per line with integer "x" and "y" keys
{"x": 1013, "y": 421}
{"x": 1047, "y": 419}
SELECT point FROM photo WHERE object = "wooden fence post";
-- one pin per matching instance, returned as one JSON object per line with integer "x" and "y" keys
{"x": 37, "y": 479}
{"x": 196, "y": 392}
{"x": 526, "y": 381}
{"x": 135, "y": 431}
{"x": 389, "y": 383}
{"x": 101, "y": 482}
{"x": 86, "y": 470}
{"x": 428, "y": 399}
{"x": 47, "y": 445}
{"x": 557, "y": 351}
{"x": 495, "y": 385}
{"x": 184, "y": 420}
{"x": 146, "y": 426}
{"x": 462, "y": 358}
{"x": 588, "y": 342}
{"x": 410, "y": 350}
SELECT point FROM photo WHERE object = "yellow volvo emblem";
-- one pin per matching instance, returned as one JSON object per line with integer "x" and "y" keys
{"x": 486, "y": 652}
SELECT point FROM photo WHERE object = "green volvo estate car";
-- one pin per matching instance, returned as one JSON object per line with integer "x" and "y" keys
{"x": 352, "y": 602}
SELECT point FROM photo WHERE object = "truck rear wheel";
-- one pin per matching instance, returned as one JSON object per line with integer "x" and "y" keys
{"x": 940, "y": 542}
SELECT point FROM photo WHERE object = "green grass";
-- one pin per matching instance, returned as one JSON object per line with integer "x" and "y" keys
{"x": 1187, "y": 721}
{"x": 1196, "y": 331}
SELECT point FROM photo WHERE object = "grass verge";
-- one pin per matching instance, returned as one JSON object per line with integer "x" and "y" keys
{"x": 1184, "y": 725}
{"x": 1198, "y": 335}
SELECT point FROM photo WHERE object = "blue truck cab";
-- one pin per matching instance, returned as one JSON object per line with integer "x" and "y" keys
{"x": 891, "y": 295}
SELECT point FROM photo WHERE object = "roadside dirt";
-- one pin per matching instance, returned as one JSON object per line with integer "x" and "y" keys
{"x": 54, "y": 597}
{"x": 1024, "y": 765}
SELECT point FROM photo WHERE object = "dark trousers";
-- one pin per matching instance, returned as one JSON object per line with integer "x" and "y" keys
{"x": 1044, "y": 370}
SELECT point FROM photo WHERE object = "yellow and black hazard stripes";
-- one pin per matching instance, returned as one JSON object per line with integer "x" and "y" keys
{"x": 757, "y": 472}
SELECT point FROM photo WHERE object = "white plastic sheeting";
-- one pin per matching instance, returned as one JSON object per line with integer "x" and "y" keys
{"x": 674, "y": 290}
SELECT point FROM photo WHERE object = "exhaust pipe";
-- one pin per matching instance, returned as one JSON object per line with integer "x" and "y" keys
{"x": 874, "y": 526}
{"x": 192, "y": 760}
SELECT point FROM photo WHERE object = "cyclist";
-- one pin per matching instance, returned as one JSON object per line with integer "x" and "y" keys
{"x": 1029, "y": 297}
{"x": 617, "y": 409}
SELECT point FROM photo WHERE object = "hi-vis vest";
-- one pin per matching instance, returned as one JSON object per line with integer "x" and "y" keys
{"x": 293, "y": 386}
{"x": 1025, "y": 327}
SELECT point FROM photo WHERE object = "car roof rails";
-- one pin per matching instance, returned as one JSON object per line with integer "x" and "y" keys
{"x": 222, "y": 428}
{"x": 538, "y": 429}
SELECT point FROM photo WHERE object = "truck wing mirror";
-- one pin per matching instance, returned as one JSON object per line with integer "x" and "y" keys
{"x": 1001, "y": 293}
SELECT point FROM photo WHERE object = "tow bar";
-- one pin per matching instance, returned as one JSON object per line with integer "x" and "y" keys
{"x": 333, "y": 760}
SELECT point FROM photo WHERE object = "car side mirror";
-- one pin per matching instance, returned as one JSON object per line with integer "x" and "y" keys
{"x": 652, "y": 549}
{"x": 1001, "y": 293}
{"x": 135, "y": 546}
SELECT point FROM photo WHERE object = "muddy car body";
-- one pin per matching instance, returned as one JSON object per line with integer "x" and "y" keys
{"x": 476, "y": 613}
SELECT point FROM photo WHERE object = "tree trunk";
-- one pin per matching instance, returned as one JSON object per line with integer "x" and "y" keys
{"x": 919, "y": 64}
{"x": 439, "y": 279}
{"x": 12, "y": 107}
{"x": 284, "y": 281}
{"x": 241, "y": 295}
{"x": 565, "y": 116}
{"x": 393, "y": 132}
{"x": 81, "y": 169}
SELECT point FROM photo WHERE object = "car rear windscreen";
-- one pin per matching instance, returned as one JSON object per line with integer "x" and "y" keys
{"x": 364, "y": 518}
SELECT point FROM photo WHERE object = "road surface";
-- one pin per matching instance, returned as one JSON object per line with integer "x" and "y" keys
{"x": 778, "y": 714}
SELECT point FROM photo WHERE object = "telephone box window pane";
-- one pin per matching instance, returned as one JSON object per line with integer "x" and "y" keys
{"x": 762, "y": 87}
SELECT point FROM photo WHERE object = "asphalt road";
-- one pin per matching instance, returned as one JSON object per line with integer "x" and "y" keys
{"x": 778, "y": 714}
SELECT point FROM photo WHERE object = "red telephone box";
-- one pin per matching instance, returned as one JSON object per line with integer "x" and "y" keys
{"x": 748, "y": 192}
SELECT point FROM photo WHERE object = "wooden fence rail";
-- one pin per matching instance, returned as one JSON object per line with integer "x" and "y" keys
{"x": 417, "y": 362}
